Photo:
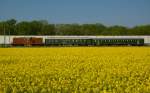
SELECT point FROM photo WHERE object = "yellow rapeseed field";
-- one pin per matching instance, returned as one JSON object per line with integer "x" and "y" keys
{"x": 75, "y": 70}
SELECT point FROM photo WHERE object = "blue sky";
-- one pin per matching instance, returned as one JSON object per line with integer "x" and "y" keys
{"x": 108, "y": 12}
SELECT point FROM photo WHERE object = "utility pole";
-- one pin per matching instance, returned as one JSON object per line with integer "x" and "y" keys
{"x": 4, "y": 36}
{"x": 9, "y": 39}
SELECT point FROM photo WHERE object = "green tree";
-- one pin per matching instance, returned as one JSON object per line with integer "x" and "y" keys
{"x": 11, "y": 27}
{"x": 140, "y": 30}
{"x": 48, "y": 29}
{"x": 115, "y": 30}
{"x": 23, "y": 28}
{"x": 92, "y": 29}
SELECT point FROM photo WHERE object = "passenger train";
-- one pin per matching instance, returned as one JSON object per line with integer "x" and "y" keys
{"x": 74, "y": 40}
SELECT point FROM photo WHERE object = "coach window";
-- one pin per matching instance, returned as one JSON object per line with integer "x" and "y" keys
{"x": 133, "y": 40}
{"x": 113, "y": 41}
{"x": 129, "y": 40}
{"x": 110, "y": 41}
{"x": 52, "y": 40}
{"x": 100, "y": 41}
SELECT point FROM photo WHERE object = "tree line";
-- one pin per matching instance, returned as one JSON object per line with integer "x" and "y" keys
{"x": 42, "y": 27}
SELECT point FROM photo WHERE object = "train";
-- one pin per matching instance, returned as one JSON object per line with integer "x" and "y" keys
{"x": 74, "y": 40}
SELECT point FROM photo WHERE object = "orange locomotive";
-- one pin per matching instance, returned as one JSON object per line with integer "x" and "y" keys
{"x": 25, "y": 41}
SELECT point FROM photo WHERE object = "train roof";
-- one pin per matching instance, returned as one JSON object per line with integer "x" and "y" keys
{"x": 115, "y": 38}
